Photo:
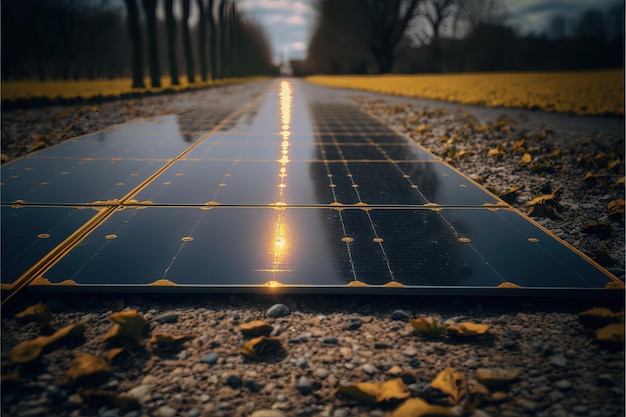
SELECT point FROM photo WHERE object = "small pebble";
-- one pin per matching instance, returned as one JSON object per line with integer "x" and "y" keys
{"x": 400, "y": 315}
{"x": 330, "y": 340}
{"x": 369, "y": 369}
{"x": 304, "y": 386}
{"x": 277, "y": 310}
{"x": 167, "y": 318}
{"x": 166, "y": 411}
{"x": 563, "y": 384}
{"x": 301, "y": 362}
{"x": 234, "y": 381}
{"x": 210, "y": 358}
{"x": 558, "y": 360}
{"x": 355, "y": 324}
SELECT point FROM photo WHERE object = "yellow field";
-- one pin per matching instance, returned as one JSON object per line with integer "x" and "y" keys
{"x": 584, "y": 92}
{"x": 12, "y": 90}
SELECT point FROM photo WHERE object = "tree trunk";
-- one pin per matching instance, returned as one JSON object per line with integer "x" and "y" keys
{"x": 171, "y": 41}
{"x": 191, "y": 76}
{"x": 149, "y": 8}
{"x": 212, "y": 38}
{"x": 223, "y": 41}
{"x": 136, "y": 45}
{"x": 202, "y": 41}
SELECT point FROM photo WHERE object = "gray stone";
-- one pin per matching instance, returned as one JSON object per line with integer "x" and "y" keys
{"x": 234, "y": 381}
{"x": 194, "y": 412}
{"x": 580, "y": 409}
{"x": 277, "y": 310}
{"x": 301, "y": 362}
{"x": 330, "y": 340}
{"x": 166, "y": 411}
{"x": 400, "y": 315}
{"x": 210, "y": 358}
{"x": 268, "y": 413}
{"x": 563, "y": 384}
{"x": 321, "y": 372}
{"x": 558, "y": 360}
{"x": 304, "y": 386}
{"x": 167, "y": 318}
{"x": 355, "y": 324}
{"x": 143, "y": 393}
{"x": 471, "y": 363}
{"x": 369, "y": 369}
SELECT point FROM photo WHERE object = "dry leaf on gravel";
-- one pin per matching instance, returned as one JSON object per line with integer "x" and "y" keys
{"x": 260, "y": 346}
{"x": 467, "y": 329}
{"x": 613, "y": 333}
{"x": 129, "y": 327}
{"x": 616, "y": 209}
{"x": 451, "y": 382}
{"x": 87, "y": 368}
{"x": 124, "y": 403}
{"x": 255, "y": 329}
{"x": 428, "y": 327}
{"x": 167, "y": 341}
{"x": 375, "y": 392}
{"x": 416, "y": 407}
{"x": 30, "y": 350}
{"x": 593, "y": 227}
{"x": 494, "y": 377}
{"x": 39, "y": 313}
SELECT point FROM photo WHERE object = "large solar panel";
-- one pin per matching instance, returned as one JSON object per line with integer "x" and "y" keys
{"x": 289, "y": 192}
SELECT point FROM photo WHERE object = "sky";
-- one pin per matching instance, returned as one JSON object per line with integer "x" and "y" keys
{"x": 289, "y": 23}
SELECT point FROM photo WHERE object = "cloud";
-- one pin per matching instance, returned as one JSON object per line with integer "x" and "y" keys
{"x": 287, "y": 23}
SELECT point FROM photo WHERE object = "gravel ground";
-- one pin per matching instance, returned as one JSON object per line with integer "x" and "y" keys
{"x": 325, "y": 341}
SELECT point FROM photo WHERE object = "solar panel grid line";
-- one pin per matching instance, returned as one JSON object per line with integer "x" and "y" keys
{"x": 278, "y": 212}
{"x": 106, "y": 211}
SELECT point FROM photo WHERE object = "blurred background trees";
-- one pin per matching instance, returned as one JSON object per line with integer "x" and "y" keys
{"x": 78, "y": 39}
{"x": 454, "y": 36}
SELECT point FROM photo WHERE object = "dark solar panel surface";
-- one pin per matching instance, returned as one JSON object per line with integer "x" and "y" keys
{"x": 286, "y": 192}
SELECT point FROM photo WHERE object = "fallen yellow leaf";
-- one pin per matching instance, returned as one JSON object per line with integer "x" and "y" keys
{"x": 88, "y": 367}
{"x": 416, "y": 407}
{"x": 428, "y": 327}
{"x": 260, "y": 346}
{"x": 451, "y": 382}
{"x": 375, "y": 392}
{"x": 468, "y": 329}
{"x": 129, "y": 326}
{"x": 255, "y": 329}
{"x": 30, "y": 350}
{"x": 39, "y": 313}
{"x": 613, "y": 333}
{"x": 167, "y": 341}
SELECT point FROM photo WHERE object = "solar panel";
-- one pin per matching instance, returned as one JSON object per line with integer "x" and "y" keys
{"x": 287, "y": 192}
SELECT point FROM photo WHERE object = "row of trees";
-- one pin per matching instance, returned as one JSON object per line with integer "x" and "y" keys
{"x": 77, "y": 39}
{"x": 407, "y": 36}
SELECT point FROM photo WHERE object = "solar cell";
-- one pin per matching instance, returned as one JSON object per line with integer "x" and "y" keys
{"x": 287, "y": 191}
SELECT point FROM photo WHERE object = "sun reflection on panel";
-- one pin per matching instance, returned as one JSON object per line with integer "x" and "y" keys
{"x": 279, "y": 246}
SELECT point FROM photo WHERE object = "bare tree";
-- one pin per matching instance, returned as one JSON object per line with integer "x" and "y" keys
{"x": 149, "y": 8}
{"x": 171, "y": 41}
{"x": 213, "y": 46}
{"x": 202, "y": 41}
{"x": 223, "y": 39}
{"x": 388, "y": 20}
{"x": 134, "y": 30}
{"x": 191, "y": 77}
{"x": 481, "y": 12}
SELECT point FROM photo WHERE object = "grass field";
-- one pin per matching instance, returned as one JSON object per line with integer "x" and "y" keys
{"x": 24, "y": 90}
{"x": 583, "y": 92}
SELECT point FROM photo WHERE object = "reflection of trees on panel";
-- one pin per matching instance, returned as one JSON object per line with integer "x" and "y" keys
{"x": 171, "y": 41}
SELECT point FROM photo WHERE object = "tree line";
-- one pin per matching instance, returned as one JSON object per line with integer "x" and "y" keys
{"x": 413, "y": 36}
{"x": 77, "y": 39}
